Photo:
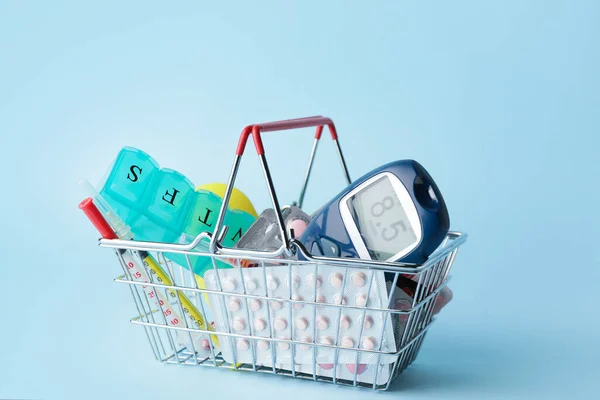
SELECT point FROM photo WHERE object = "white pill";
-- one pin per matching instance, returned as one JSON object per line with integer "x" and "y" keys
{"x": 305, "y": 339}
{"x": 251, "y": 285}
{"x": 327, "y": 340}
{"x": 272, "y": 282}
{"x": 283, "y": 345}
{"x": 336, "y": 279}
{"x": 347, "y": 341}
{"x": 260, "y": 324}
{"x": 255, "y": 305}
{"x": 301, "y": 323}
{"x": 368, "y": 343}
{"x": 211, "y": 279}
{"x": 338, "y": 299}
{"x": 276, "y": 305}
{"x": 310, "y": 280}
{"x": 243, "y": 344}
{"x": 321, "y": 299}
{"x": 296, "y": 281}
{"x": 234, "y": 304}
{"x": 280, "y": 324}
{"x": 322, "y": 322}
{"x": 345, "y": 322}
{"x": 368, "y": 322}
{"x": 239, "y": 324}
{"x": 262, "y": 345}
{"x": 228, "y": 283}
{"x": 361, "y": 300}
{"x": 359, "y": 279}
{"x": 298, "y": 306}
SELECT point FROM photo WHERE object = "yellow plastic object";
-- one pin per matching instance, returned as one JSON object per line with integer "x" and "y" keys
{"x": 202, "y": 285}
{"x": 238, "y": 200}
{"x": 188, "y": 308}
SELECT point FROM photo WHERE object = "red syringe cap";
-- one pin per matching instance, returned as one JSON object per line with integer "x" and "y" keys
{"x": 94, "y": 215}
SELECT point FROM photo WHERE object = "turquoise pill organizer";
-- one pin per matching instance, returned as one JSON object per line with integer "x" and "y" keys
{"x": 159, "y": 204}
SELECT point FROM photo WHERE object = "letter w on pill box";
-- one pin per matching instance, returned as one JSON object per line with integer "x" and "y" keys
{"x": 345, "y": 299}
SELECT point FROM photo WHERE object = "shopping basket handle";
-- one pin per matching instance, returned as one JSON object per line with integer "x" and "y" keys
{"x": 256, "y": 129}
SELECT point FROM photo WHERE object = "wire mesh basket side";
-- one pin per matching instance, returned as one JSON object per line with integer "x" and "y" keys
{"x": 191, "y": 345}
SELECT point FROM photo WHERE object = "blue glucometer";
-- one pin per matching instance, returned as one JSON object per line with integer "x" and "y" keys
{"x": 394, "y": 213}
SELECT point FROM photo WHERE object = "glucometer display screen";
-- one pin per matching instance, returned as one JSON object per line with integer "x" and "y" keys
{"x": 381, "y": 219}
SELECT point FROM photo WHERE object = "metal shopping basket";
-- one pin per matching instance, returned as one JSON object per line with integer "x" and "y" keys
{"x": 396, "y": 333}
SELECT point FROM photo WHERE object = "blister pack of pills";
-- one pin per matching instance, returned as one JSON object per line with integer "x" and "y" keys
{"x": 327, "y": 305}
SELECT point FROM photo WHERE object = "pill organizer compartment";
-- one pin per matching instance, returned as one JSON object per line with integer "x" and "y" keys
{"x": 128, "y": 183}
{"x": 161, "y": 204}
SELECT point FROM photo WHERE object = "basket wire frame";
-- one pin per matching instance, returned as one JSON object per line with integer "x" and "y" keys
{"x": 410, "y": 325}
{"x": 414, "y": 322}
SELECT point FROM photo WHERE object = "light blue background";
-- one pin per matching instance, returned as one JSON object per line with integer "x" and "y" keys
{"x": 499, "y": 101}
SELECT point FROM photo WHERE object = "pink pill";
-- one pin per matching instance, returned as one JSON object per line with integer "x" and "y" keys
{"x": 260, "y": 324}
{"x": 345, "y": 322}
{"x": 205, "y": 344}
{"x": 339, "y": 300}
{"x": 326, "y": 366}
{"x": 242, "y": 344}
{"x": 262, "y": 345}
{"x": 361, "y": 300}
{"x": 228, "y": 284}
{"x": 280, "y": 323}
{"x": 305, "y": 339}
{"x": 239, "y": 324}
{"x": 322, "y": 322}
{"x": 359, "y": 279}
{"x": 272, "y": 282}
{"x": 234, "y": 304}
{"x": 368, "y": 322}
{"x": 361, "y": 368}
{"x": 327, "y": 340}
{"x": 255, "y": 305}
{"x": 251, "y": 285}
{"x": 285, "y": 346}
{"x": 336, "y": 279}
{"x": 276, "y": 305}
{"x": 301, "y": 323}
{"x": 347, "y": 341}
{"x": 296, "y": 281}
{"x": 298, "y": 306}
{"x": 310, "y": 280}
{"x": 368, "y": 343}
{"x": 298, "y": 226}
{"x": 321, "y": 299}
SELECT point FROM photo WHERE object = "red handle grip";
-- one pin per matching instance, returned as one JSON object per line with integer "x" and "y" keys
{"x": 255, "y": 130}
{"x": 92, "y": 212}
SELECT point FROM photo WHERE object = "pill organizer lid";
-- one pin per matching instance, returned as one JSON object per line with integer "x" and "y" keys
{"x": 128, "y": 181}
